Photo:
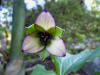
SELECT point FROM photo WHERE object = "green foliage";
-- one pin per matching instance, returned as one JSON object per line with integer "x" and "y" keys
{"x": 81, "y": 36}
{"x": 97, "y": 73}
{"x": 78, "y": 23}
{"x": 70, "y": 39}
{"x": 59, "y": 31}
{"x": 95, "y": 8}
{"x": 30, "y": 29}
{"x": 96, "y": 39}
{"x": 44, "y": 54}
{"x": 1, "y": 30}
{"x": 40, "y": 70}
{"x": 72, "y": 63}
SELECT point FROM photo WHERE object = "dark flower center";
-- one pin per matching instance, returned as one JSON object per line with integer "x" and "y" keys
{"x": 46, "y": 10}
{"x": 44, "y": 37}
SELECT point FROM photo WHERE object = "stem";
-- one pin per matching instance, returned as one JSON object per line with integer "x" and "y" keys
{"x": 15, "y": 65}
{"x": 61, "y": 69}
{"x": 18, "y": 29}
{"x": 57, "y": 68}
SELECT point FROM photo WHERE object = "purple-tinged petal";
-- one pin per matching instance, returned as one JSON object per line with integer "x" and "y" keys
{"x": 31, "y": 44}
{"x": 57, "y": 47}
{"x": 45, "y": 20}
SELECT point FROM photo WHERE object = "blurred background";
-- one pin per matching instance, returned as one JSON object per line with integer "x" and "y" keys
{"x": 79, "y": 18}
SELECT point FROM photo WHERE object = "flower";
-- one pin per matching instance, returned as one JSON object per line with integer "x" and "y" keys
{"x": 44, "y": 37}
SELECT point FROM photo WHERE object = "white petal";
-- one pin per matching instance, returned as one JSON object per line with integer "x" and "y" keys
{"x": 45, "y": 20}
{"x": 57, "y": 47}
{"x": 31, "y": 44}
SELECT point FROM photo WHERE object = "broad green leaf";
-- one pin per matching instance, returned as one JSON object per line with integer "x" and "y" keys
{"x": 59, "y": 31}
{"x": 72, "y": 63}
{"x": 40, "y": 70}
{"x": 30, "y": 29}
{"x": 44, "y": 54}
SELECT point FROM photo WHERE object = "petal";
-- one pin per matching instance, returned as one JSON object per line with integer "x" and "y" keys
{"x": 45, "y": 20}
{"x": 31, "y": 44}
{"x": 57, "y": 47}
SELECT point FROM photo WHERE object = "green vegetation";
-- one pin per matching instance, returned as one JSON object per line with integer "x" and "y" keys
{"x": 80, "y": 32}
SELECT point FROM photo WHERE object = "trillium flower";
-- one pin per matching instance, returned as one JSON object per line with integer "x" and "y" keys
{"x": 44, "y": 37}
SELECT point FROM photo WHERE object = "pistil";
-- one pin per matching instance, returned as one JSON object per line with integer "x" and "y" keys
{"x": 45, "y": 37}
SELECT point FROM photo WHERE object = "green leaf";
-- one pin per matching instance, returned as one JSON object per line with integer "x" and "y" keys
{"x": 81, "y": 36}
{"x": 72, "y": 63}
{"x": 59, "y": 31}
{"x": 44, "y": 54}
{"x": 30, "y": 29}
{"x": 40, "y": 70}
